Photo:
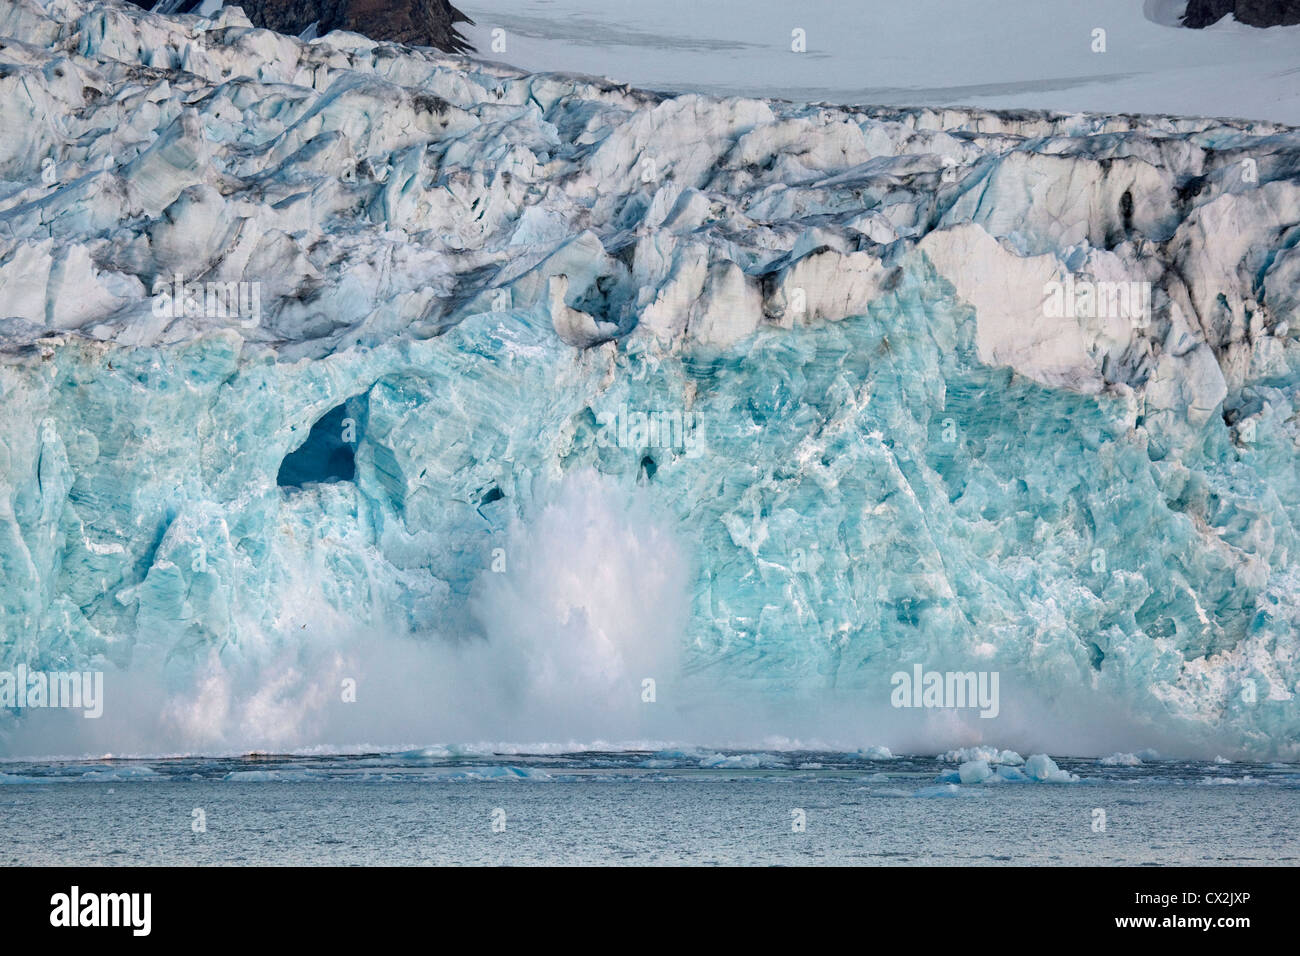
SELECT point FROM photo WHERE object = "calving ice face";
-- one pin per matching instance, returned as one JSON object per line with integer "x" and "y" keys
{"x": 862, "y": 340}
{"x": 946, "y": 689}
{"x": 74, "y": 909}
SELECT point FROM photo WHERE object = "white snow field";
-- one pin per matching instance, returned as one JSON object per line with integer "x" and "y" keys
{"x": 1003, "y": 54}
{"x": 505, "y": 393}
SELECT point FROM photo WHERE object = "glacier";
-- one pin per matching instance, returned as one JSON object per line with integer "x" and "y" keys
{"x": 530, "y": 389}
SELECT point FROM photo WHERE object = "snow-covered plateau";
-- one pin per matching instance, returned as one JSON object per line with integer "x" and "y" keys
{"x": 1104, "y": 56}
{"x": 337, "y": 360}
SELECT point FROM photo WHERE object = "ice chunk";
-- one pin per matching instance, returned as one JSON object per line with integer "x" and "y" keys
{"x": 276, "y": 776}
{"x": 720, "y": 761}
{"x": 134, "y": 772}
{"x": 1121, "y": 760}
{"x": 876, "y": 753}
{"x": 16, "y": 779}
{"x": 942, "y": 791}
{"x": 991, "y": 755}
{"x": 1043, "y": 769}
{"x": 974, "y": 771}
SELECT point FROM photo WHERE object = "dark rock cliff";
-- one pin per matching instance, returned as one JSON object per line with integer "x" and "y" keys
{"x": 414, "y": 22}
{"x": 1255, "y": 13}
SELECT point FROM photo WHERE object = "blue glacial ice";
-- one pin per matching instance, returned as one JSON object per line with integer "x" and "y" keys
{"x": 535, "y": 388}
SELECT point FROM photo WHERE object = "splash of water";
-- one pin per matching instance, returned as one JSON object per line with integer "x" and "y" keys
{"x": 588, "y": 604}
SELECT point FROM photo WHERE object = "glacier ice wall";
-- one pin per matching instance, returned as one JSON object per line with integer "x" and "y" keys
{"x": 783, "y": 372}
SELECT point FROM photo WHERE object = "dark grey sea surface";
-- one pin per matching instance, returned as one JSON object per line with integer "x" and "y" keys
{"x": 678, "y": 807}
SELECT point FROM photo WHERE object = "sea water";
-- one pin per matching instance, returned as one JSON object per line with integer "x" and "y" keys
{"x": 686, "y": 806}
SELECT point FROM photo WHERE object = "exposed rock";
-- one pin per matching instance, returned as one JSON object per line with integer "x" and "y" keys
{"x": 416, "y": 22}
{"x": 1255, "y": 13}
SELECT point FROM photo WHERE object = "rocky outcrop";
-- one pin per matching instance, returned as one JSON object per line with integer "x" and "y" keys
{"x": 1255, "y": 13}
{"x": 415, "y": 22}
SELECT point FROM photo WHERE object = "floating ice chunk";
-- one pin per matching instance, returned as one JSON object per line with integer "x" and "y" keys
{"x": 990, "y": 755}
{"x": 877, "y": 753}
{"x": 275, "y": 776}
{"x": 974, "y": 771}
{"x": 423, "y": 755}
{"x": 1121, "y": 760}
{"x": 1043, "y": 769}
{"x": 943, "y": 790}
{"x": 475, "y": 774}
{"x": 740, "y": 761}
{"x": 14, "y": 779}
{"x": 122, "y": 773}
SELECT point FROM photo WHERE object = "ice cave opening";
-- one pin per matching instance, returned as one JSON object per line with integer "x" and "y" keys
{"x": 327, "y": 455}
